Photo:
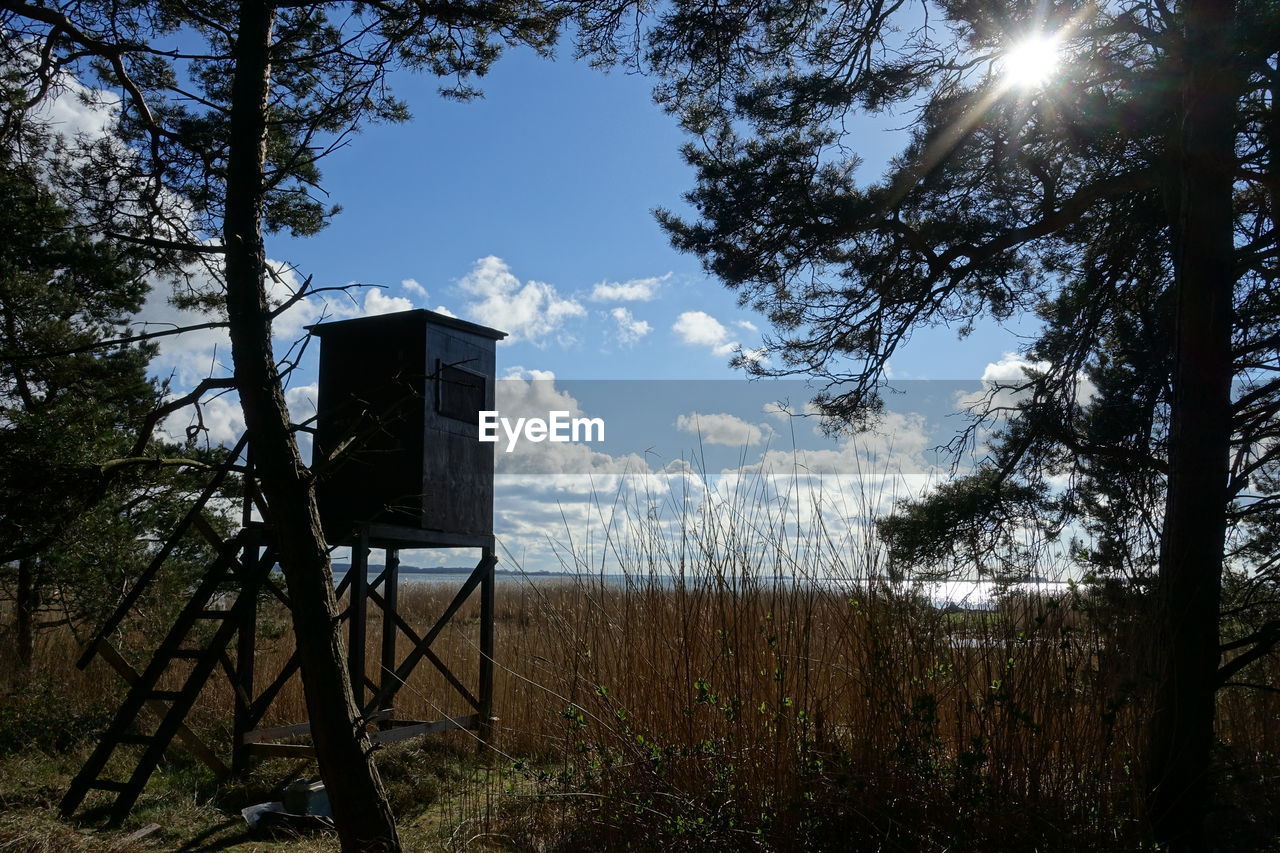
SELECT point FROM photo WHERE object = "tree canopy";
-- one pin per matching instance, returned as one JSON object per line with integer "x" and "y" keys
{"x": 1124, "y": 192}
{"x": 226, "y": 110}
{"x": 62, "y": 410}
{"x": 79, "y": 510}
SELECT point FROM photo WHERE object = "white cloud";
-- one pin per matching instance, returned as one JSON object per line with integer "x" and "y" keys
{"x": 1003, "y": 384}
{"x": 779, "y": 411}
{"x": 517, "y": 371}
{"x": 862, "y": 477}
{"x": 282, "y": 286}
{"x": 635, "y": 290}
{"x": 558, "y": 467}
{"x": 220, "y": 416}
{"x": 357, "y": 301}
{"x": 698, "y": 328}
{"x": 415, "y": 296}
{"x": 377, "y": 302}
{"x": 524, "y": 392}
{"x": 301, "y": 400}
{"x": 899, "y": 439}
{"x": 746, "y": 325}
{"x": 899, "y": 445}
{"x": 223, "y": 419}
{"x": 1012, "y": 369}
{"x": 783, "y": 412}
{"x": 550, "y": 522}
{"x": 191, "y": 356}
{"x": 630, "y": 329}
{"x": 530, "y": 311}
{"x": 79, "y": 110}
{"x": 71, "y": 108}
{"x": 723, "y": 428}
{"x": 554, "y": 501}
{"x": 544, "y": 522}
{"x": 188, "y": 358}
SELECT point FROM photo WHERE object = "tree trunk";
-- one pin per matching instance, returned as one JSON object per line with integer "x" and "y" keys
{"x": 1179, "y": 784}
{"x": 26, "y": 606}
{"x": 343, "y": 748}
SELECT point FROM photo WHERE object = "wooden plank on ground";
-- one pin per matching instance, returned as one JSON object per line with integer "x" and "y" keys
{"x": 470, "y": 721}
{"x": 276, "y": 732}
{"x": 136, "y": 836}
{"x": 281, "y": 750}
{"x": 297, "y": 729}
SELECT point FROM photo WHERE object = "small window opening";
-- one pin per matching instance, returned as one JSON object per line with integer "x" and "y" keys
{"x": 460, "y": 393}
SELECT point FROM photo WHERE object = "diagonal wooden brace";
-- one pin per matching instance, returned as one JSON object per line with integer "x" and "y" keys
{"x": 420, "y": 649}
{"x": 431, "y": 656}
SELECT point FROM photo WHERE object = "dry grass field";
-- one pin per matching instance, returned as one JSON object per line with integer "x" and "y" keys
{"x": 701, "y": 703}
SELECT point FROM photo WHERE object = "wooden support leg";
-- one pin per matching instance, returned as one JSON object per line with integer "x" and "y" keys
{"x": 423, "y": 646}
{"x": 486, "y": 647}
{"x": 356, "y": 613}
{"x": 390, "y": 595}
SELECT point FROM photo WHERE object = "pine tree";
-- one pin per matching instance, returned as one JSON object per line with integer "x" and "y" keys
{"x": 235, "y": 130}
{"x": 1152, "y": 144}
{"x": 62, "y": 413}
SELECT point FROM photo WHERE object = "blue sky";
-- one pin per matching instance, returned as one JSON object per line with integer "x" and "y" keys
{"x": 556, "y": 172}
{"x": 530, "y": 210}
{"x": 542, "y": 193}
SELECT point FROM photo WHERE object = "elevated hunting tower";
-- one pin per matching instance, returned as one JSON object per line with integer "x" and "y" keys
{"x": 398, "y": 464}
{"x": 405, "y": 390}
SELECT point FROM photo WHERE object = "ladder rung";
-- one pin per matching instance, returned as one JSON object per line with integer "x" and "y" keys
{"x": 141, "y": 740}
{"x": 213, "y": 614}
{"x": 163, "y": 694}
{"x": 109, "y": 785}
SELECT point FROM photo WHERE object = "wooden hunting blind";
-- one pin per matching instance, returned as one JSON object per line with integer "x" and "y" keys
{"x": 397, "y": 445}
{"x": 399, "y": 464}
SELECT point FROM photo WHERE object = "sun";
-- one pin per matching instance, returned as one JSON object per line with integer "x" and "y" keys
{"x": 1031, "y": 62}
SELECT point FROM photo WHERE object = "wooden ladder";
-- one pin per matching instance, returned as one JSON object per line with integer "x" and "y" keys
{"x": 124, "y": 729}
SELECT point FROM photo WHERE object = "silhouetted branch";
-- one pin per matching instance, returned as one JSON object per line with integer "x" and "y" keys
{"x": 117, "y": 342}
{"x": 1261, "y": 643}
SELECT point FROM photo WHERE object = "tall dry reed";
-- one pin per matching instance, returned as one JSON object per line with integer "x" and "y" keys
{"x": 740, "y": 675}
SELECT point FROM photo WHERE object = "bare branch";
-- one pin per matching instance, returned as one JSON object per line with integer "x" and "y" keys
{"x": 154, "y": 462}
{"x": 118, "y": 342}
{"x": 174, "y": 245}
{"x": 1260, "y": 643}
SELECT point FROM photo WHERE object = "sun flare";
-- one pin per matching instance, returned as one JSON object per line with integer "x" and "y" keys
{"x": 1031, "y": 62}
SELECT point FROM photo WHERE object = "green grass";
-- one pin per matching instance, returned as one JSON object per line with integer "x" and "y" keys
{"x": 431, "y": 787}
